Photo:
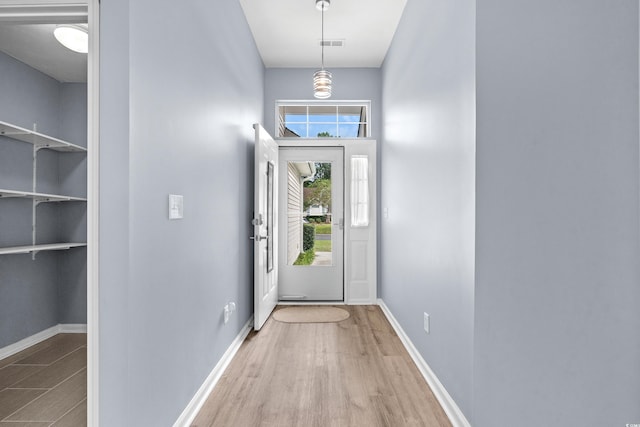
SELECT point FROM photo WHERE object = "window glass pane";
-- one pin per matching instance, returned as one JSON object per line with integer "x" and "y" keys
{"x": 319, "y": 130}
{"x": 349, "y": 118}
{"x": 294, "y": 113}
{"x": 359, "y": 191}
{"x": 322, "y": 113}
{"x": 295, "y": 130}
{"x": 319, "y": 118}
{"x": 348, "y": 130}
{"x": 352, "y": 113}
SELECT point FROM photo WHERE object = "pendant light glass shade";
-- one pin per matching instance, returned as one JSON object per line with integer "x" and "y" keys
{"x": 322, "y": 84}
{"x": 322, "y": 77}
{"x": 73, "y": 37}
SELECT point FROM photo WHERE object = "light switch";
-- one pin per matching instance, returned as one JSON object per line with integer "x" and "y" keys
{"x": 175, "y": 206}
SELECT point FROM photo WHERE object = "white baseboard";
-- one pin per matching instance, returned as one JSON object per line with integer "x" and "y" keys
{"x": 34, "y": 339}
{"x": 285, "y": 302}
{"x": 192, "y": 409}
{"x": 450, "y": 407}
{"x": 73, "y": 328}
{"x": 364, "y": 301}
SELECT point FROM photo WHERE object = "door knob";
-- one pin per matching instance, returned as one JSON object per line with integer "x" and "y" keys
{"x": 258, "y": 238}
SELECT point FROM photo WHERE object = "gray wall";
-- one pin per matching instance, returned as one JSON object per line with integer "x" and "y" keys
{"x": 37, "y": 294}
{"x": 177, "y": 109}
{"x": 557, "y": 339}
{"x": 427, "y": 244}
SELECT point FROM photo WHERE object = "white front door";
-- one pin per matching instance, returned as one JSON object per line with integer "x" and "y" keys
{"x": 311, "y": 224}
{"x": 265, "y": 264}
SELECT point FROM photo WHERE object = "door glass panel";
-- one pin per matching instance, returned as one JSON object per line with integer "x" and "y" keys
{"x": 309, "y": 237}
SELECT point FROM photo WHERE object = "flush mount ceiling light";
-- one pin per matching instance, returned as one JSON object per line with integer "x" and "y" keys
{"x": 323, "y": 4}
{"x": 73, "y": 36}
{"x": 322, "y": 77}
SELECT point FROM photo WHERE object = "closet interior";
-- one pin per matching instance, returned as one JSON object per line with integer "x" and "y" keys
{"x": 43, "y": 225}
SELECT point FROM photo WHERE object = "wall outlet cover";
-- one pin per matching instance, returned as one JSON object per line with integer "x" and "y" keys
{"x": 227, "y": 313}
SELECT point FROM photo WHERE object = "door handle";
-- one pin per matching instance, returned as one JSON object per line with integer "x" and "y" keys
{"x": 258, "y": 238}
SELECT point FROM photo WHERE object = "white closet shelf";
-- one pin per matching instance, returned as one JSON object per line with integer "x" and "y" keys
{"x": 37, "y": 248}
{"x": 38, "y": 139}
{"x": 39, "y": 197}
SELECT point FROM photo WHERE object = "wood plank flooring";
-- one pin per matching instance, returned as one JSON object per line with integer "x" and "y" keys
{"x": 46, "y": 385}
{"x": 352, "y": 373}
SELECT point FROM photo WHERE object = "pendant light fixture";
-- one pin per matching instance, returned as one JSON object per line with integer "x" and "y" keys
{"x": 322, "y": 77}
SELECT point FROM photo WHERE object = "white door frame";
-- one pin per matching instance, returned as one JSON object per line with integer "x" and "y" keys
{"x": 312, "y": 283}
{"x": 93, "y": 215}
{"x": 59, "y": 11}
{"x": 360, "y": 244}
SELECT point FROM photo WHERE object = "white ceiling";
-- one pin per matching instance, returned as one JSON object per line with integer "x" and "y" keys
{"x": 288, "y": 32}
{"x": 35, "y": 45}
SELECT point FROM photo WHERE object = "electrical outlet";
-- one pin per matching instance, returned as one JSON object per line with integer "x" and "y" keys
{"x": 227, "y": 313}
{"x": 426, "y": 323}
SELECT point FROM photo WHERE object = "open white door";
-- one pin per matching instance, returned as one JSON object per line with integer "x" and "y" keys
{"x": 265, "y": 263}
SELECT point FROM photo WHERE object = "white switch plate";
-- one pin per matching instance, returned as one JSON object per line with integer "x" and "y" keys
{"x": 385, "y": 212}
{"x": 426, "y": 323}
{"x": 176, "y": 209}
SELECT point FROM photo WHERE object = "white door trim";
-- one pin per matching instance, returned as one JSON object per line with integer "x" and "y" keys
{"x": 360, "y": 285}
{"x": 93, "y": 215}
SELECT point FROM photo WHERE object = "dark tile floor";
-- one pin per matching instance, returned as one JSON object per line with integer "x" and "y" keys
{"x": 46, "y": 385}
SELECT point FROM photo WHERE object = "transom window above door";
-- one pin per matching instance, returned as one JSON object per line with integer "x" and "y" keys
{"x": 323, "y": 120}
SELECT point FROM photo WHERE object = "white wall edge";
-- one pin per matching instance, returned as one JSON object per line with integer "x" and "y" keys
{"x": 449, "y": 406}
{"x": 34, "y": 339}
{"x": 194, "y": 406}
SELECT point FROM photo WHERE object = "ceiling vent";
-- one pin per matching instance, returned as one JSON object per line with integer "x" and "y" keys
{"x": 331, "y": 43}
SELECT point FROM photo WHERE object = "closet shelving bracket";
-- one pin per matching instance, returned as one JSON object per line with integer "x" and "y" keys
{"x": 39, "y": 141}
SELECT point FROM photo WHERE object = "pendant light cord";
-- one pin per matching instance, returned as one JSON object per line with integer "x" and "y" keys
{"x": 322, "y": 40}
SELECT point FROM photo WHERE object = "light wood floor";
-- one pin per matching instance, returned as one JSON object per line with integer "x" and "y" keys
{"x": 46, "y": 384}
{"x": 352, "y": 373}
